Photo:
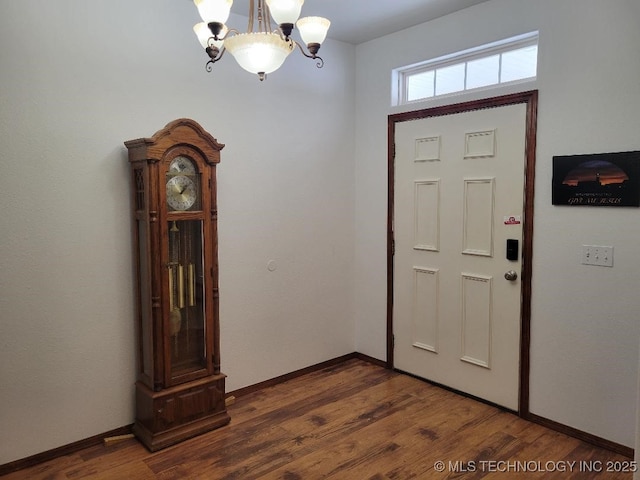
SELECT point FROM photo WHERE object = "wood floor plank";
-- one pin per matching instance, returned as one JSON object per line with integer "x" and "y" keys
{"x": 340, "y": 449}
{"x": 108, "y": 458}
{"x": 313, "y": 426}
{"x": 249, "y": 435}
{"x": 349, "y": 421}
{"x": 50, "y": 470}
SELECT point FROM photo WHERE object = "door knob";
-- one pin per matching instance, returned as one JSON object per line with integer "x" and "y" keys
{"x": 511, "y": 275}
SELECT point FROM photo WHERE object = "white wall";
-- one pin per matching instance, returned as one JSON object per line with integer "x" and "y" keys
{"x": 584, "y": 327}
{"x": 77, "y": 79}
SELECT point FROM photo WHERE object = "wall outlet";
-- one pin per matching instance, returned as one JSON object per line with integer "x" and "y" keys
{"x": 598, "y": 255}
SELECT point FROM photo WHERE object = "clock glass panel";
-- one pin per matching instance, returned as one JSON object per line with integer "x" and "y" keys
{"x": 186, "y": 296}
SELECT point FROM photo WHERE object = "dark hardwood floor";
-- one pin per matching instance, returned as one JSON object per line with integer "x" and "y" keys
{"x": 355, "y": 421}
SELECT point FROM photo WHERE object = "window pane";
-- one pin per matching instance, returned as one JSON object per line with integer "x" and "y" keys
{"x": 420, "y": 85}
{"x": 508, "y": 60}
{"x": 450, "y": 79}
{"x": 483, "y": 72}
{"x": 518, "y": 64}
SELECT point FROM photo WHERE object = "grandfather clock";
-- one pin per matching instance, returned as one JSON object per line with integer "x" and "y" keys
{"x": 179, "y": 389}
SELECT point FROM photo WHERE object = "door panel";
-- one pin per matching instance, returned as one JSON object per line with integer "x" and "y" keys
{"x": 458, "y": 196}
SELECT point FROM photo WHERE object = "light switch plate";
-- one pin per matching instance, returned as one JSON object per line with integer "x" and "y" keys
{"x": 601, "y": 256}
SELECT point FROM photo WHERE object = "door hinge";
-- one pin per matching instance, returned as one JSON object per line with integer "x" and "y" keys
{"x": 393, "y": 149}
{"x": 393, "y": 246}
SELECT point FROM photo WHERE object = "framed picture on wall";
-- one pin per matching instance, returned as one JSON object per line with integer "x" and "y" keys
{"x": 600, "y": 180}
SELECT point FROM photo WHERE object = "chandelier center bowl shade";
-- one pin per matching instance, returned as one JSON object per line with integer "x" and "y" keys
{"x": 261, "y": 49}
{"x": 258, "y": 52}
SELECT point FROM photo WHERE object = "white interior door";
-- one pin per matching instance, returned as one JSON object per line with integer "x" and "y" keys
{"x": 458, "y": 198}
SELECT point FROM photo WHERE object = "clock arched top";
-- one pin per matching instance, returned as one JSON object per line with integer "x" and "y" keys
{"x": 182, "y": 131}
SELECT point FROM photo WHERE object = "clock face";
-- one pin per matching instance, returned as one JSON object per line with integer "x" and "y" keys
{"x": 181, "y": 192}
{"x": 182, "y": 165}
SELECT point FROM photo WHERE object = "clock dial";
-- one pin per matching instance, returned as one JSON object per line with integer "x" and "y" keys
{"x": 181, "y": 192}
{"x": 182, "y": 165}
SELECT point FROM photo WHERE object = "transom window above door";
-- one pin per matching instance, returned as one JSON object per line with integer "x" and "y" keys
{"x": 513, "y": 60}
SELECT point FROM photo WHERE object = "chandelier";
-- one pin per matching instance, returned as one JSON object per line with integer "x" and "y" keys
{"x": 260, "y": 50}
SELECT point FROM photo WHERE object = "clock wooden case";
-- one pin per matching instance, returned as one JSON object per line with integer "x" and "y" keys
{"x": 180, "y": 391}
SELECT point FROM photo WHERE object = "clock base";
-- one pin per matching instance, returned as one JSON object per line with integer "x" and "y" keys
{"x": 170, "y": 416}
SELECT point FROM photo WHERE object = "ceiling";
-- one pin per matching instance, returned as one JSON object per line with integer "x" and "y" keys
{"x": 358, "y": 21}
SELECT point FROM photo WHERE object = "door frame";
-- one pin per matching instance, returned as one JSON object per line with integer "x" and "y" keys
{"x": 530, "y": 99}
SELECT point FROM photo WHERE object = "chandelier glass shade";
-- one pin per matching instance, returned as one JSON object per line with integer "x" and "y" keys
{"x": 313, "y": 29}
{"x": 203, "y": 33}
{"x": 260, "y": 50}
{"x": 217, "y": 11}
{"x": 285, "y": 11}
